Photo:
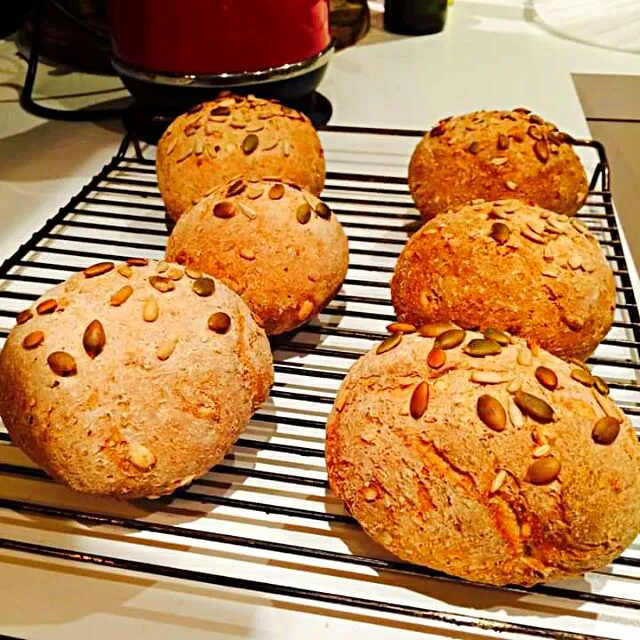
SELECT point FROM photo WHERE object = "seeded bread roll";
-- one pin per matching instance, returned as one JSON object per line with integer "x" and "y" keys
{"x": 493, "y": 155}
{"x": 279, "y": 247}
{"x": 498, "y": 469}
{"x": 235, "y": 136}
{"x": 504, "y": 264}
{"x": 132, "y": 381}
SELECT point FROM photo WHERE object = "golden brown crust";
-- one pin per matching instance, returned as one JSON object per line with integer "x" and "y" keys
{"x": 463, "y": 158}
{"x": 552, "y": 285}
{"x": 161, "y": 400}
{"x": 285, "y": 269}
{"x": 231, "y": 137}
{"x": 446, "y": 491}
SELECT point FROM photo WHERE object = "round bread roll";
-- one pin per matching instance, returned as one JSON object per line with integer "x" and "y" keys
{"x": 131, "y": 381}
{"x": 508, "y": 265}
{"x": 497, "y": 469}
{"x": 234, "y": 136}
{"x": 493, "y": 155}
{"x": 279, "y": 247}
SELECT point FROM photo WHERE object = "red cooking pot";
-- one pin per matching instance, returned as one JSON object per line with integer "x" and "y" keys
{"x": 187, "y": 50}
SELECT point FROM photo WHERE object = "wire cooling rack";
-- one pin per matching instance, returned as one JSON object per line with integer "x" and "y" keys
{"x": 263, "y": 522}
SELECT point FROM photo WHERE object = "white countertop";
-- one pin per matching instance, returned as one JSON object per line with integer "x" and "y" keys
{"x": 491, "y": 55}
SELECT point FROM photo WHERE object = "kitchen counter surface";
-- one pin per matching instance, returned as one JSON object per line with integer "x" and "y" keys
{"x": 491, "y": 55}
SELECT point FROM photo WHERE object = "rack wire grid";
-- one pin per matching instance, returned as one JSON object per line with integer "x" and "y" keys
{"x": 264, "y": 520}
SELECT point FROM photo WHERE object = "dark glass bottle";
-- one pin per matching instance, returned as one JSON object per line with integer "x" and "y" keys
{"x": 415, "y": 17}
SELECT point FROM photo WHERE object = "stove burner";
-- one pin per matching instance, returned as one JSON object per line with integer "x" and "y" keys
{"x": 149, "y": 124}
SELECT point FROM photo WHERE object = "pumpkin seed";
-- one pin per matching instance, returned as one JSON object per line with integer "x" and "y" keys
{"x": 474, "y": 147}
{"x": 98, "y": 269}
{"x": 164, "y": 351}
{"x": 219, "y": 322}
{"x": 605, "y": 430}
{"x": 125, "y": 270}
{"x": 437, "y": 131}
{"x": 481, "y": 347}
{"x": 488, "y": 377}
{"x": 500, "y": 232}
{"x": 323, "y": 211}
{"x": 503, "y": 142}
{"x": 537, "y": 119}
{"x": 220, "y": 111}
{"x": 436, "y": 358}
{"x": 491, "y": 412}
{"x": 162, "y": 284}
{"x": 62, "y": 364}
{"x": 533, "y": 407}
{"x": 172, "y": 146}
{"x": 582, "y": 376}
{"x": 286, "y": 148}
{"x": 498, "y": 162}
{"x": 601, "y": 385}
{"x": 198, "y": 146}
{"x": 33, "y": 340}
{"x": 121, "y": 296}
{"x": 254, "y": 127}
{"x": 511, "y": 185}
{"x": 536, "y": 225}
{"x": 435, "y": 329}
{"x": 541, "y": 149}
{"x": 250, "y": 144}
{"x": 515, "y": 415}
{"x": 547, "y": 378}
{"x": 204, "y": 286}
{"x": 162, "y": 266}
{"x": 502, "y": 338}
{"x": 543, "y": 471}
{"x": 405, "y": 327}
{"x": 137, "y": 262}
{"x": 224, "y": 209}
{"x": 141, "y": 457}
{"x": 192, "y": 273}
{"x": 47, "y": 306}
{"x": 542, "y": 451}
{"x": 549, "y": 273}
{"x": 498, "y": 481}
{"x": 236, "y": 188}
{"x": 450, "y": 339}
{"x": 305, "y": 310}
{"x": 24, "y": 316}
{"x": 276, "y": 192}
{"x": 389, "y": 343}
{"x": 150, "y": 310}
{"x": 534, "y": 132}
{"x": 303, "y": 214}
{"x": 94, "y": 339}
{"x": 419, "y": 400}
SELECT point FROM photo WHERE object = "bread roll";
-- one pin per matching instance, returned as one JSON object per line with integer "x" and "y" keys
{"x": 279, "y": 247}
{"x": 131, "y": 381}
{"x": 497, "y": 469}
{"x": 493, "y": 155}
{"x": 508, "y": 265}
{"x": 235, "y": 136}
